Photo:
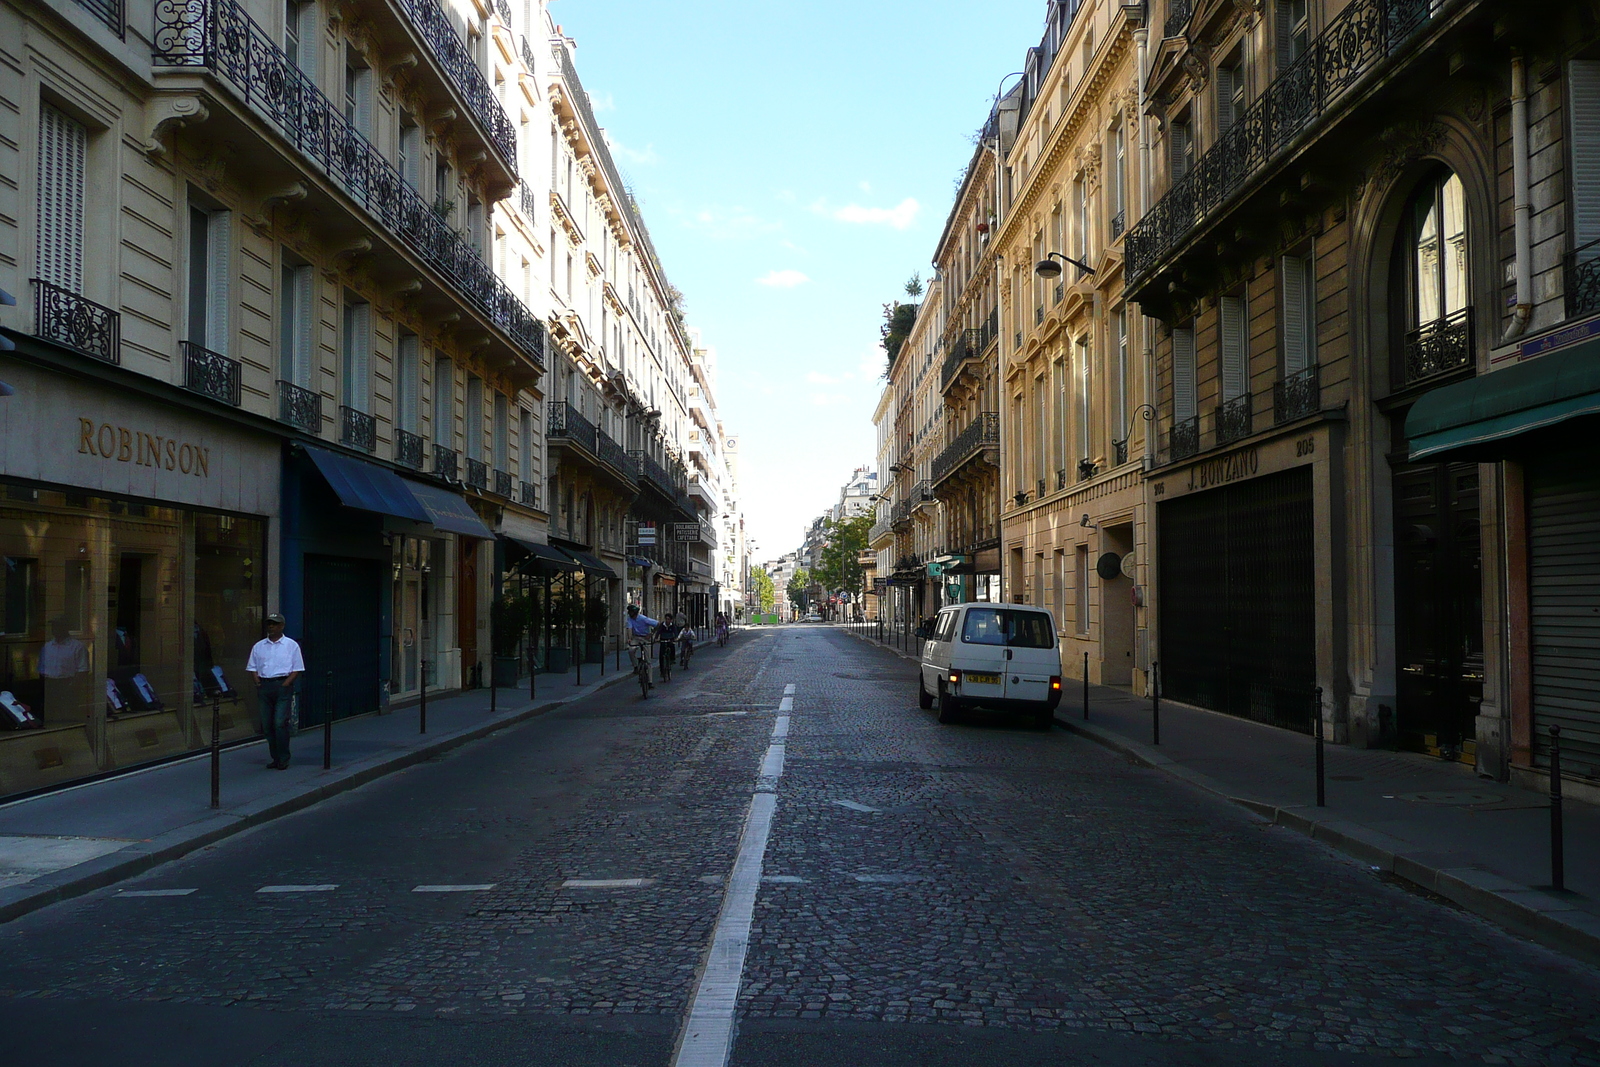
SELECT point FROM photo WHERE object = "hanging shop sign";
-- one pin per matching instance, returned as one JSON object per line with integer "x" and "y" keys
{"x": 686, "y": 531}
{"x": 647, "y": 534}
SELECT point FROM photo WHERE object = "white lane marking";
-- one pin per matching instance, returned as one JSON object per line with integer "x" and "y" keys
{"x": 155, "y": 892}
{"x": 891, "y": 879}
{"x": 772, "y": 766}
{"x": 780, "y": 728}
{"x": 783, "y": 879}
{"x": 786, "y": 704}
{"x": 607, "y": 883}
{"x": 475, "y": 887}
{"x": 788, "y": 690}
{"x": 853, "y": 806}
{"x": 715, "y": 714}
{"x": 324, "y": 888}
{"x": 708, "y": 1034}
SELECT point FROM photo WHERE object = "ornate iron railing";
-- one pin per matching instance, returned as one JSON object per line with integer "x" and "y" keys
{"x": 567, "y": 424}
{"x": 446, "y": 464}
{"x": 617, "y": 457}
{"x": 357, "y": 429}
{"x": 922, "y": 493}
{"x": 1178, "y": 13}
{"x": 1297, "y": 396}
{"x": 477, "y": 473}
{"x": 1119, "y": 222}
{"x": 1087, "y": 468}
{"x": 900, "y": 514}
{"x": 502, "y": 484}
{"x": 451, "y": 52}
{"x": 982, "y": 432}
{"x": 1061, "y": 477}
{"x": 72, "y": 321}
{"x": 1352, "y": 46}
{"x": 1583, "y": 280}
{"x": 1439, "y": 347}
{"x": 878, "y": 532}
{"x": 1233, "y": 419}
{"x": 527, "y": 57}
{"x": 1060, "y": 291}
{"x": 210, "y": 373}
{"x": 300, "y": 408}
{"x": 528, "y": 494}
{"x": 1038, "y": 315}
{"x": 503, "y": 9}
{"x": 110, "y": 12}
{"x": 1119, "y": 452}
{"x": 1040, "y": 487}
{"x": 964, "y": 348}
{"x": 407, "y": 449}
{"x": 1183, "y": 440}
{"x": 527, "y": 201}
{"x": 219, "y": 36}
{"x": 654, "y": 473}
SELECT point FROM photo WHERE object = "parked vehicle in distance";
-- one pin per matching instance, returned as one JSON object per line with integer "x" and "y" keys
{"x": 1003, "y": 657}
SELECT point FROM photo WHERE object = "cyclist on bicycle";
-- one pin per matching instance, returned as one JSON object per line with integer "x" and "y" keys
{"x": 640, "y": 627}
{"x": 686, "y": 637}
{"x": 722, "y": 628}
{"x": 667, "y": 632}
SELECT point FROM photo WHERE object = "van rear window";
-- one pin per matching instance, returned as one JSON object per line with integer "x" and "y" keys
{"x": 1016, "y": 629}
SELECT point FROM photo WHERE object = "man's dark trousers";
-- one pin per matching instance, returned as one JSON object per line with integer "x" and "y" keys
{"x": 277, "y": 700}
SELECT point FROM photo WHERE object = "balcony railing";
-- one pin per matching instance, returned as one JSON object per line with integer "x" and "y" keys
{"x": 528, "y": 494}
{"x": 210, "y": 373}
{"x": 1439, "y": 347}
{"x": 451, "y": 52}
{"x": 1119, "y": 222}
{"x": 109, "y": 12}
{"x": 1060, "y": 291}
{"x": 528, "y": 202}
{"x": 477, "y": 473}
{"x": 922, "y": 493}
{"x": 617, "y": 457}
{"x": 503, "y": 9}
{"x": 964, "y": 347}
{"x": 1178, "y": 13}
{"x": 300, "y": 408}
{"x": 1183, "y": 440}
{"x": 900, "y": 514}
{"x": 1087, "y": 468}
{"x": 568, "y": 425}
{"x": 1357, "y": 41}
{"x": 357, "y": 429}
{"x": 219, "y": 36}
{"x": 1297, "y": 396}
{"x": 446, "y": 464}
{"x": 1119, "y": 452}
{"x": 527, "y": 56}
{"x": 1233, "y": 419}
{"x": 1583, "y": 280}
{"x": 878, "y": 532}
{"x": 1038, "y": 315}
{"x": 407, "y": 449}
{"x": 982, "y": 432}
{"x": 69, "y": 320}
{"x": 502, "y": 484}
{"x": 649, "y": 470}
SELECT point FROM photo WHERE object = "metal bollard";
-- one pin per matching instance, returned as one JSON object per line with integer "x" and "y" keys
{"x": 494, "y": 690}
{"x": 1086, "y": 687}
{"x": 422, "y": 727}
{"x": 533, "y": 674}
{"x": 1155, "y": 702}
{"x": 327, "y": 723}
{"x": 1558, "y": 859}
{"x": 216, "y": 750}
{"x": 1322, "y": 797}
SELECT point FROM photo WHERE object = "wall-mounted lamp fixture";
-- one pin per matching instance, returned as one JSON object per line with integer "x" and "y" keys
{"x": 1048, "y": 268}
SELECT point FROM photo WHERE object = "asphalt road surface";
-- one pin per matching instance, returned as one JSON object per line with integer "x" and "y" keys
{"x": 576, "y": 891}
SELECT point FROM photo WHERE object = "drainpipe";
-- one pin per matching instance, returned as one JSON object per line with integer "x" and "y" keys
{"x": 1524, "y": 209}
{"x": 1142, "y": 37}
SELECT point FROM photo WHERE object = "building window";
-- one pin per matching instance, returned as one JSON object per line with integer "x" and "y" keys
{"x": 443, "y": 185}
{"x": 1083, "y": 588}
{"x": 357, "y": 92}
{"x": 410, "y": 151}
{"x": 1180, "y": 149}
{"x": 296, "y": 318}
{"x": 355, "y": 355}
{"x": 1085, "y": 402}
{"x": 208, "y": 274}
{"x": 63, "y": 153}
{"x": 502, "y": 433}
{"x": 474, "y": 425}
{"x": 408, "y": 382}
{"x": 1438, "y": 249}
{"x": 300, "y": 34}
{"x": 1183, "y": 395}
{"x": 1080, "y": 212}
{"x": 1117, "y": 181}
{"x": 1233, "y": 357}
{"x": 1119, "y": 375}
{"x": 1294, "y": 31}
{"x": 444, "y": 401}
{"x": 1058, "y": 393}
{"x": 1298, "y": 292}
{"x": 526, "y": 448}
{"x": 1059, "y": 582}
{"x": 1230, "y": 95}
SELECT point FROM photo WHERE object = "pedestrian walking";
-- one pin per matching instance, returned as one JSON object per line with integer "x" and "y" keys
{"x": 275, "y": 663}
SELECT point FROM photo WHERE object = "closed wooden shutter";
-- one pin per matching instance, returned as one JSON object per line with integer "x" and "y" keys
{"x": 407, "y": 374}
{"x": 1179, "y": 148}
{"x": 219, "y": 256}
{"x": 63, "y": 151}
{"x": 1231, "y": 314}
{"x": 309, "y": 310}
{"x": 1583, "y": 104}
{"x": 1296, "y": 315}
{"x": 444, "y": 401}
{"x": 474, "y": 417}
{"x": 1183, "y": 398}
{"x": 1564, "y": 588}
{"x": 1224, "y": 83}
{"x": 357, "y": 353}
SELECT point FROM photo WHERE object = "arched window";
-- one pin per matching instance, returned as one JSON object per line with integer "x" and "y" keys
{"x": 1431, "y": 286}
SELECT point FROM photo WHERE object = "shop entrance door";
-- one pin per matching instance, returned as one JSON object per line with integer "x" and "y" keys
{"x": 1438, "y": 608}
{"x": 343, "y": 599}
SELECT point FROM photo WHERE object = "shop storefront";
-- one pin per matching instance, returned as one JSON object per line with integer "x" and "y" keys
{"x": 133, "y": 576}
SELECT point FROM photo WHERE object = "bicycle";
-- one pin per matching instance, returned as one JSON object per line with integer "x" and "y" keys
{"x": 722, "y": 636}
{"x": 640, "y": 651}
{"x": 666, "y": 660}
{"x": 685, "y": 648}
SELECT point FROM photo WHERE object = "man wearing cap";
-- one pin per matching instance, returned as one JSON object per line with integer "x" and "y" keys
{"x": 275, "y": 663}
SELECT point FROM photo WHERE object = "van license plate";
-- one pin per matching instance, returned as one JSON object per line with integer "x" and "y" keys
{"x": 986, "y": 679}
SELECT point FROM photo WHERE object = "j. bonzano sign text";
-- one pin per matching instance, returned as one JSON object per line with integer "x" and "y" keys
{"x": 120, "y": 444}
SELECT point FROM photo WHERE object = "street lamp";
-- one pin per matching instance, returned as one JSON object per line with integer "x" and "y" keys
{"x": 1048, "y": 268}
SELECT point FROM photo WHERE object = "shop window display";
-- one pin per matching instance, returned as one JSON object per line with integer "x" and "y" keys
{"x": 122, "y": 623}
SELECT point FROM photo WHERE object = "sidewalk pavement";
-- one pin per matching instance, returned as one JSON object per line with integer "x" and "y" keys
{"x": 1482, "y": 844}
{"x": 80, "y": 838}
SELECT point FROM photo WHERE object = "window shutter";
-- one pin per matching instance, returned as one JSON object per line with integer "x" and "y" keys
{"x": 63, "y": 149}
{"x": 358, "y": 349}
{"x": 218, "y": 258}
{"x": 305, "y": 340}
{"x": 1224, "y": 87}
{"x": 1296, "y": 319}
{"x": 406, "y": 374}
{"x": 1285, "y": 28}
{"x": 1180, "y": 150}
{"x": 1183, "y": 400}
{"x": 1231, "y": 310}
{"x": 1583, "y": 103}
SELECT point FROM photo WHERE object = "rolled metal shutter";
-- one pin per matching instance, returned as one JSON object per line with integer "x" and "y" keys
{"x": 1564, "y": 590}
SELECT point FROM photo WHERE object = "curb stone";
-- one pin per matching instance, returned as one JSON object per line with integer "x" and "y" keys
{"x": 1523, "y": 910}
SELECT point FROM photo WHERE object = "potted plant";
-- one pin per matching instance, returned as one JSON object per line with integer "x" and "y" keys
{"x": 508, "y": 621}
{"x": 597, "y": 619}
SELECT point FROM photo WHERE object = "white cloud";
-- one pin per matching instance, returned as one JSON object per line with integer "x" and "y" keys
{"x": 830, "y": 400}
{"x": 816, "y": 378}
{"x": 603, "y": 103}
{"x": 633, "y": 155}
{"x": 727, "y": 223}
{"x": 900, "y": 217}
{"x": 866, "y": 187}
{"x": 782, "y": 279}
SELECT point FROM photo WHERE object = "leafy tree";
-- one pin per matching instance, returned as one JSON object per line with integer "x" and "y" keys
{"x": 800, "y": 588}
{"x": 898, "y": 319}
{"x": 766, "y": 595}
{"x": 840, "y": 569}
{"x": 914, "y": 286}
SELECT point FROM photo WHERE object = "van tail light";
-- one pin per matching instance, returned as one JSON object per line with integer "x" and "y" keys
{"x": 955, "y": 676}
{"x": 1055, "y": 683}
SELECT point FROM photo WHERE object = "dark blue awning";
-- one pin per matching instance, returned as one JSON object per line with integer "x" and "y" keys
{"x": 448, "y": 512}
{"x": 367, "y": 486}
{"x": 546, "y": 559}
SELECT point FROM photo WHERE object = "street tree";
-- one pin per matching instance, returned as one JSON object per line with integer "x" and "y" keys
{"x": 800, "y": 589}
{"x": 766, "y": 594}
{"x": 840, "y": 568}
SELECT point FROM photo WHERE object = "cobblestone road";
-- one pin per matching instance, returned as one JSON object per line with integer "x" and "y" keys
{"x": 930, "y": 895}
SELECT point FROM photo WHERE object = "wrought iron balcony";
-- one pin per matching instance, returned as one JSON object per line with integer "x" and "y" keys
{"x": 1183, "y": 440}
{"x": 878, "y": 532}
{"x": 109, "y": 12}
{"x": 1061, "y": 477}
{"x": 981, "y": 433}
{"x": 407, "y": 449}
{"x": 1297, "y": 396}
{"x": 900, "y": 514}
{"x": 653, "y": 473}
{"x": 1038, "y": 315}
{"x": 1040, "y": 488}
{"x": 433, "y": 25}
{"x": 617, "y": 457}
{"x": 1119, "y": 452}
{"x": 357, "y": 429}
{"x": 477, "y": 473}
{"x": 69, "y": 320}
{"x": 210, "y": 373}
{"x": 446, "y": 464}
{"x": 1060, "y": 291}
{"x": 217, "y": 35}
{"x": 503, "y": 9}
{"x": 1017, "y": 340}
{"x": 1233, "y": 419}
{"x": 1583, "y": 280}
{"x": 1119, "y": 222}
{"x": 528, "y": 494}
{"x": 1439, "y": 347}
{"x": 964, "y": 347}
{"x": 300, "y": 408}
{"x": 502, "y": 484}
{"x": 1087, "y": 468}
{"x": 1178, "y": 12}
{"x": 528, "y": 202}
{"x": 922, "y": 494}
{"x": 1353, "y": 45}
{"x": 527, "y": 57}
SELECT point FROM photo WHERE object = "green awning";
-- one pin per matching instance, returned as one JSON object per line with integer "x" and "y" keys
{"x": 1529, "y": 396}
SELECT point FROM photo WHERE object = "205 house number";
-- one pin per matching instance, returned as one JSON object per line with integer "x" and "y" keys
{"x": 1305, "y": 447}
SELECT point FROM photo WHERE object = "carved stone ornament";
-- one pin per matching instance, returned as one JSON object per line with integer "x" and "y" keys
{"x": 1401, "y": 145}
{"x": 1197, "y": 65}
{"x": 167, "y": 115}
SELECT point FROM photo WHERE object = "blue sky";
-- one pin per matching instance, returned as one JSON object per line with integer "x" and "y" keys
{"x": 795, "y": 163}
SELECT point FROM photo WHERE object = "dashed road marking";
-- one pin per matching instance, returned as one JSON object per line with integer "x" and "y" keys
{"x": 783, "y": 879}
{"x": 322, "y": 888}
{"x": 887, "y": 879}
{"x": 607, "y": 883}
{"x": 786, "y": 704}
{"x": 788, "y": 690}
{"x": 853, "y": 806}
{"x": 715, "y": 714}
{"x": 155, "y": 892}
{"x": 472, "y": 887}
{"x": 780, "y": 728}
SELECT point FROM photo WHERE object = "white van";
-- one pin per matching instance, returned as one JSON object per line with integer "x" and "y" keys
{"x": 1000, "y": 656}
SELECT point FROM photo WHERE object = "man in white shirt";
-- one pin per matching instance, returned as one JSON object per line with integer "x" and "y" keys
{"x": 275, "y": 663}
{"x": 64, "y": 666}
